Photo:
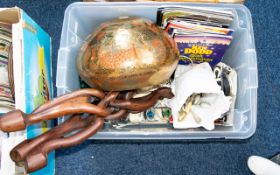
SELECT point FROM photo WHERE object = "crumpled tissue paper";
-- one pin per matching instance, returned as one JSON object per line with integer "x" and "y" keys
{"x": 198, "y": 79}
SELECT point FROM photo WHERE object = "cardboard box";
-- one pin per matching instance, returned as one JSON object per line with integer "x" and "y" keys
{"x": 32, "y": 81}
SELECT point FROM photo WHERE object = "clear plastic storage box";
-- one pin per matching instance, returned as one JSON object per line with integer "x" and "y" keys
{"x": 82, "y": 18}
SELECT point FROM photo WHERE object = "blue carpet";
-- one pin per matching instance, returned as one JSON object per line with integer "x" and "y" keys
{"x": 115, "y": 157}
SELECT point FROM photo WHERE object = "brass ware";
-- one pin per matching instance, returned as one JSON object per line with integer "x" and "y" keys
{"x": 127, "y": 53}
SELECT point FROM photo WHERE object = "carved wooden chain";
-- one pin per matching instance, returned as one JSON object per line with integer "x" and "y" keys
{"x": 33, "y": 153}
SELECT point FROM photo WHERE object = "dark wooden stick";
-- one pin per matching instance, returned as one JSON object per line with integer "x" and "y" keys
{"x": 19, "y": 153}
{"x": 17, "y": 120}
{"x": 142, "y": 103}
{"x": 79, "y": 93}
{"x": 39, "y": 159}
{"x": 121, "y": 113}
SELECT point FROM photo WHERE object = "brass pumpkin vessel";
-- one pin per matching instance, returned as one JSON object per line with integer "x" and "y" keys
{"x": 127, "y": 53}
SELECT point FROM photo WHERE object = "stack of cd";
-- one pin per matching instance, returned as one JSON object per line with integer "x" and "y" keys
{"x": 6, "y": 75}
{"x": 201, "y": 34}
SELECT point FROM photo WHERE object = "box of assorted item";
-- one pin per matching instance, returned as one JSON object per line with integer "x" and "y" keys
{"x": 214, "y": 85}
{"x": 25, "y": 81}
{"x": 145, "y": 71}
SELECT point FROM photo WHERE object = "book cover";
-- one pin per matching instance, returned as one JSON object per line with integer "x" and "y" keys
{"x": 37, "y": 75}
{"x": 198, "y": 49}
